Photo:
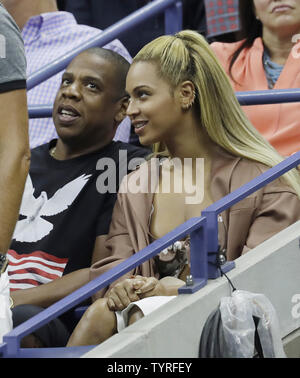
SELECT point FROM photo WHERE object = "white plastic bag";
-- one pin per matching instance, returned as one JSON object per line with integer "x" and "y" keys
{"x": 237, "y": 314}
{"x": 5, "y": 311}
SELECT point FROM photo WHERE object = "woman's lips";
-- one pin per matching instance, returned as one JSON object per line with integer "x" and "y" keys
{"x": 281, "y": 8}
{"x": 139, "y": 127}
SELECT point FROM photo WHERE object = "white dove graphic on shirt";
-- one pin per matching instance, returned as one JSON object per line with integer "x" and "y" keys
{"x": 34, "y": 227}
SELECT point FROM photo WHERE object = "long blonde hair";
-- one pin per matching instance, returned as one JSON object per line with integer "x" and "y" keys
{"x": 187, "y": 56}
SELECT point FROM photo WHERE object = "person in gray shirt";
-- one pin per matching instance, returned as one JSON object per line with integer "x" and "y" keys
{"x": 14, "y": 144}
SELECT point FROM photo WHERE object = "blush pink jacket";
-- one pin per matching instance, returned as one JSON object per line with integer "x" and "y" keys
{"x": 278, "y": 123}
{"x": 245, "y": 225}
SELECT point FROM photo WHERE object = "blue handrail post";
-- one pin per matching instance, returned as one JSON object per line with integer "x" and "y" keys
{"x": 213, "y": 246}
{"x": 173, "y": 18}
{"x": 12, "y": 348}
{"x": 198, "y": 260}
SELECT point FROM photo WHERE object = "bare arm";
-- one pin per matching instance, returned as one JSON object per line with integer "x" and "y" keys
{"x": 14, "y": 160}
{"x": 47, "y": 294}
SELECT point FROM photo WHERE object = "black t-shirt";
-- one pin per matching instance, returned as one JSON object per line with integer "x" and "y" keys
{"x": 63, "y": 211}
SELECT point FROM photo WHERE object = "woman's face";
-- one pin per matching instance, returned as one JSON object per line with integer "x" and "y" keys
{"x": 279, "y": 16}
{"x": 154, "y": 109}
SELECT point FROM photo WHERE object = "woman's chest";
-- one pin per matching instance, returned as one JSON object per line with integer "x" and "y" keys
{"x": 171, "y": 210}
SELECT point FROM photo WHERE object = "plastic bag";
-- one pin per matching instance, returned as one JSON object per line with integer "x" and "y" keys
{"x": 6, "y": 323}
{"x": 237, "y": 314}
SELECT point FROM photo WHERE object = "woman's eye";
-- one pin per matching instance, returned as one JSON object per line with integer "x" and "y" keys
{"x": 142, "y": 94}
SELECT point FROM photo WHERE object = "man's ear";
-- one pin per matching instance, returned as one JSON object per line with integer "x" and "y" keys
{"x": 187, "y": 94}
{"x": 121, "y": 113}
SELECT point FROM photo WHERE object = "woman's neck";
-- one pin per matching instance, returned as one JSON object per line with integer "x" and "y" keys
{"x": 191, "y": 142}
{"x": 195, "y": 150}
{"x": 279, "y": 46}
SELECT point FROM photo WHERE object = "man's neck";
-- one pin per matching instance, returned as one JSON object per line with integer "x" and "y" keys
{"x": 66, "y": 151}
{"x": 22, "y": 10}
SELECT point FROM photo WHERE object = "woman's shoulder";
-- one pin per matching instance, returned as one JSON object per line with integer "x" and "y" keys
{"x": 226, "y": 47}
{"x": 224, "y": 51}
{"x": 230, "y": 47}
{"x": 247, "y": 170}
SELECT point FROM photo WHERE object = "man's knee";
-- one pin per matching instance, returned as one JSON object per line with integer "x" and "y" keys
{"x": 53, "y": 334}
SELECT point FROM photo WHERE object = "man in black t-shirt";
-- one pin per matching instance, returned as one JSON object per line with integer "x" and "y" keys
{"x": 71, "y": 187}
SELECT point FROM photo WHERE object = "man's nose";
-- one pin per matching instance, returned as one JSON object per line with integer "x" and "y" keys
{"x": 71, "y": 91}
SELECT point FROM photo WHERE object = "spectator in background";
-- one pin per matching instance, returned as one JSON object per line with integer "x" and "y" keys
{"x": 49, "y": 34}
{"x": 66, "y": 210}
{"x": 267, "y": 58}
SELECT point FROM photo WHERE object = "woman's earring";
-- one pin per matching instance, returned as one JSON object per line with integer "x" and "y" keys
{"x": 191, "y": 103}
{"x": 188, "y": 106}
{"x": 194, "y": 96}
{"x": 193, "y": 100}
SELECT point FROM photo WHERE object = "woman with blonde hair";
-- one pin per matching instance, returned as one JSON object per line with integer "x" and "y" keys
{"x": 181, "y": 97}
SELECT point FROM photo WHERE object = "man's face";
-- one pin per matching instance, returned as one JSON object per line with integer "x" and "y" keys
{"x": 86, "y": 104}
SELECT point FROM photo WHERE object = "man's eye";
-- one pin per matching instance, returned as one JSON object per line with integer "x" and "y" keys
{"x": 92, "y": 85}
{"x": 65, "y": 82}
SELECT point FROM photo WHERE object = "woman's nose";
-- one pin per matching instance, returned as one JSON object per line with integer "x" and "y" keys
{"x": 132, "y": 109}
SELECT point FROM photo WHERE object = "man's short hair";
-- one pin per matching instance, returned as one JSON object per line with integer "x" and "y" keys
{"x": 118, "y": 61}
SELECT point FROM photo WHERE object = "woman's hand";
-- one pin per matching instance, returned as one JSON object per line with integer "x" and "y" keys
{"x": 133, "y": 289}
